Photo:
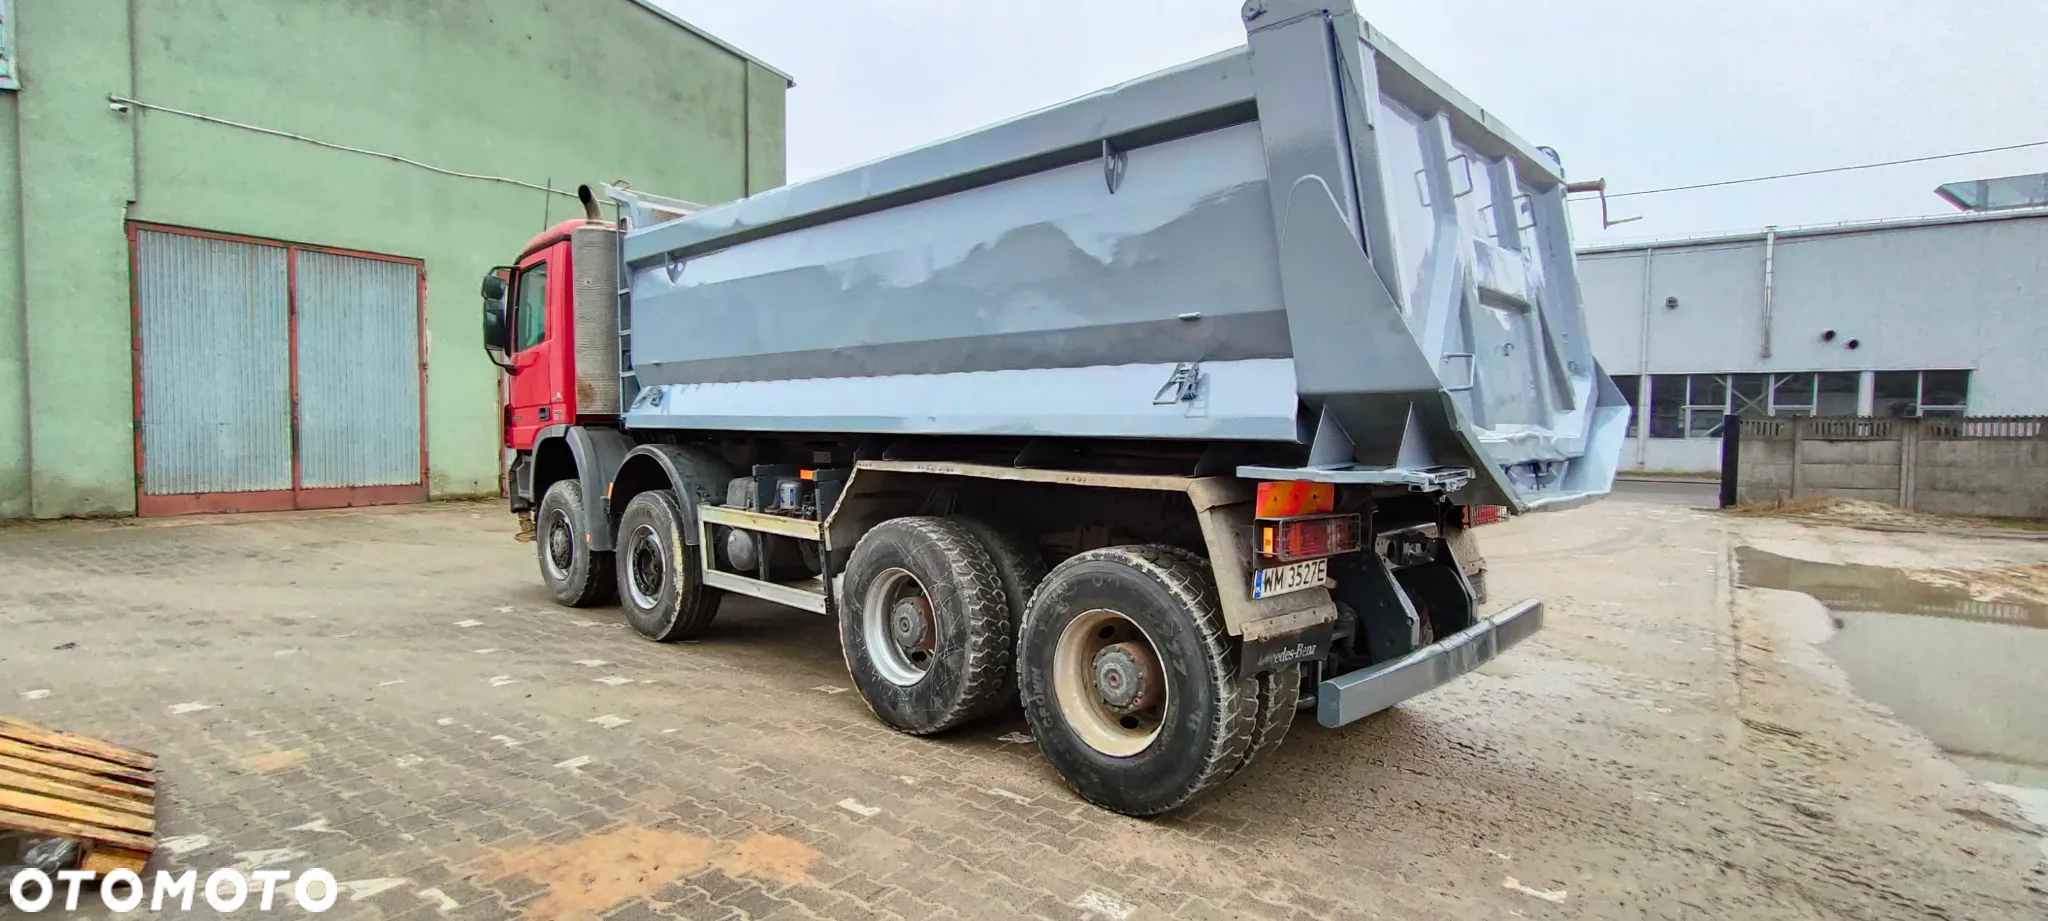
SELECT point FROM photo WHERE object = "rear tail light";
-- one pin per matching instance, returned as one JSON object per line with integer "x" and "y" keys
{"x": 1310, "y": 538}
{"x": 1476, "y": 515}
{"x": 1289, "y": 498}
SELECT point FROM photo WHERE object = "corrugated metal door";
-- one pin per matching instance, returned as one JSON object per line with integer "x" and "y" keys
{"x": 214, "y": 385}
{"x": 358, "y": 371}
{"x": 274, "y": 375}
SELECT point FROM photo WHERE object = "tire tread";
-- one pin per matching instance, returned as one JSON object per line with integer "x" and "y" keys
{"x": 979, "y": 590}
{"x": 696, "y": 603}
{"x": 1020, "y": 568}
{"x": 1234, "y": 734}
{"x": 596, "y": 588}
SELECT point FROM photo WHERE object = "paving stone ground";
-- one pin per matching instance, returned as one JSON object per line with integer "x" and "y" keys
{"x": 389, "y": 695}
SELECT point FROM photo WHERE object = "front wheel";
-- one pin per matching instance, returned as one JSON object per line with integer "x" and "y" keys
{"x": 659, "y": 580}
{"x": 1130, "y": 682}
{"x": 575, "y": 574}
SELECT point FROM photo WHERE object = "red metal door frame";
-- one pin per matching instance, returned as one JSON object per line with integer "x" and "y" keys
{"x": 297, "y": 497}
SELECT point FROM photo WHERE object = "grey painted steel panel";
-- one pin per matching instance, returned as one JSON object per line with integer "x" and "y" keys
{"x": 1357, "y": 695}
{"x": 359, "y": 371}
{"x": 1237, "y": 400}
{"x": 1046, "y": 270}
{"x": 216, "y": 383}
{"x": 1069, "y": 132}
{"x": 1316, "y": 196}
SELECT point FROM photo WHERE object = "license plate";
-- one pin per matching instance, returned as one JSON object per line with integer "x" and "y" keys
{"x": 1290, "y": 578}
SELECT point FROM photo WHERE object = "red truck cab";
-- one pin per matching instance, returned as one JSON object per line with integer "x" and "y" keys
{"x": 537, "y": 348}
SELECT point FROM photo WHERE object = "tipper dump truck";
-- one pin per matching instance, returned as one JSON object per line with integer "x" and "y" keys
{"x": 1154, "y": 412}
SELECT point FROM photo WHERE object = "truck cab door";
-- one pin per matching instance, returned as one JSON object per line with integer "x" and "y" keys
{"x": 536, "y": 393}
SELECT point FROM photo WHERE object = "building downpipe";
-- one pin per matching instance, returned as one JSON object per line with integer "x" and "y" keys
{"x": 1770, "y": 272}
{"x": 1641, "y": 422}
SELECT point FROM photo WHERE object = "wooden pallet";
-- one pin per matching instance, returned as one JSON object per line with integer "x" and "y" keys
{"x": 72, "y": 786}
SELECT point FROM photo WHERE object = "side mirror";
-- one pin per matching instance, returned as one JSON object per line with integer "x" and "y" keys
{"x": 497, "y": 328}
{"x": 497, "y": 319}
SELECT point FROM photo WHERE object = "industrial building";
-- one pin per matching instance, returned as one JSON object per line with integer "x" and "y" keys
{"x": 240, "y": 240}
{"x": 1916, "y": 317}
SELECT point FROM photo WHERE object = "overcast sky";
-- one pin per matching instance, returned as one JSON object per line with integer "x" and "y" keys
{"x": 1645, "y": 93}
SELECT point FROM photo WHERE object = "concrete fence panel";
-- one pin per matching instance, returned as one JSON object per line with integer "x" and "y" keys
{"x": 1949, "y": 465}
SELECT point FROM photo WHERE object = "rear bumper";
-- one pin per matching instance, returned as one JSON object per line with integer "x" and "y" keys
{"x": 1356, "y": 695}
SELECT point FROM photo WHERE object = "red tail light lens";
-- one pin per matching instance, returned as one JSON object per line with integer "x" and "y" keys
{"x": 1310, "y": 538}
{"x": 1476, "y": 515}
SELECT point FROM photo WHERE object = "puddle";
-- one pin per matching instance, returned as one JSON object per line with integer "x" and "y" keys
{"x": 1963, "y": 670}
{"x": 1852, "y": 588}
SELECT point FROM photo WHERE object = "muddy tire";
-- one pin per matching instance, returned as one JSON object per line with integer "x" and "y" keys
{"x": 925, "y": 627}
{"x": 1130, "y": 680}
{"x": 659, "y": 581}
{"x": 575, "y": 575}
{"x": 1279, "y": 692}
{"x": 1020, "y": 567}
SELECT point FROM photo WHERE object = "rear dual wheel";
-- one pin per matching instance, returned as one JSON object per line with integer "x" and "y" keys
{"x": 925, "y": 625}
{"x": 1131, "y": 685}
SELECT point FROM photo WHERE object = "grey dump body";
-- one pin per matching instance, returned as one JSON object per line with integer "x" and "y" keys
{"x": 1309, "y": 239}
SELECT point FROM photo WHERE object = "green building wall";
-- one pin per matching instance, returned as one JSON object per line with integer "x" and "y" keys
{"x": 541, "y": 91}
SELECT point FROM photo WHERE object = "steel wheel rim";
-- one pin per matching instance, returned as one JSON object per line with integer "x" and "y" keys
{"x": 646, "y": 567}
{"x": 1075, "y": 675}
{"x": 559, "y": 551}
{"x": 901, "y": 656}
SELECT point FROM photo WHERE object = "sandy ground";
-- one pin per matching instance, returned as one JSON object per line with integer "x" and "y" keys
{"x": 1669, "y": 747}
{"x": 1676, "y": 747}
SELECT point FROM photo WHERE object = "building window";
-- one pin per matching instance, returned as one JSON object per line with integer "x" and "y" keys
{"x": 1897, "y": 394}
{"x": 1706, "y": 401}
{"x": 1792, "y": 394}
{"x": 1835, "y": 393}
{"x": 1809, "y": 393}
{"x": 1667, "y": 406}
{"x": 1944, "y": 393}
{"x": 1627, "y": 384}
{"x": 1921, "y": 393}
{"x": 1694, "y": 405}
{"x": 1748, "y": 395}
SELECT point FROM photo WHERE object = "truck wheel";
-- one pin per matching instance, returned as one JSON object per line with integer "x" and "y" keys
{"x": 575, "y": 574}
{"x": 1279, "y": 693}
{"x": 1279, "y": 690}
{"x": 925, "y": 627}
{"x": 659, "y": 580}
{"x": 1020, "y": 567}
{"x": 1129, "y": 681}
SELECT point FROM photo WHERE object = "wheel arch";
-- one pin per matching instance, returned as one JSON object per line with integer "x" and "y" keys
{"x": 591, "y": 456}
{"x": 553, "y": 460}
{"x": 697, "y": 476}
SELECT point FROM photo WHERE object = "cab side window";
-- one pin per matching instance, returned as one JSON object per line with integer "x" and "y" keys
{"x": 531, "y": 312}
